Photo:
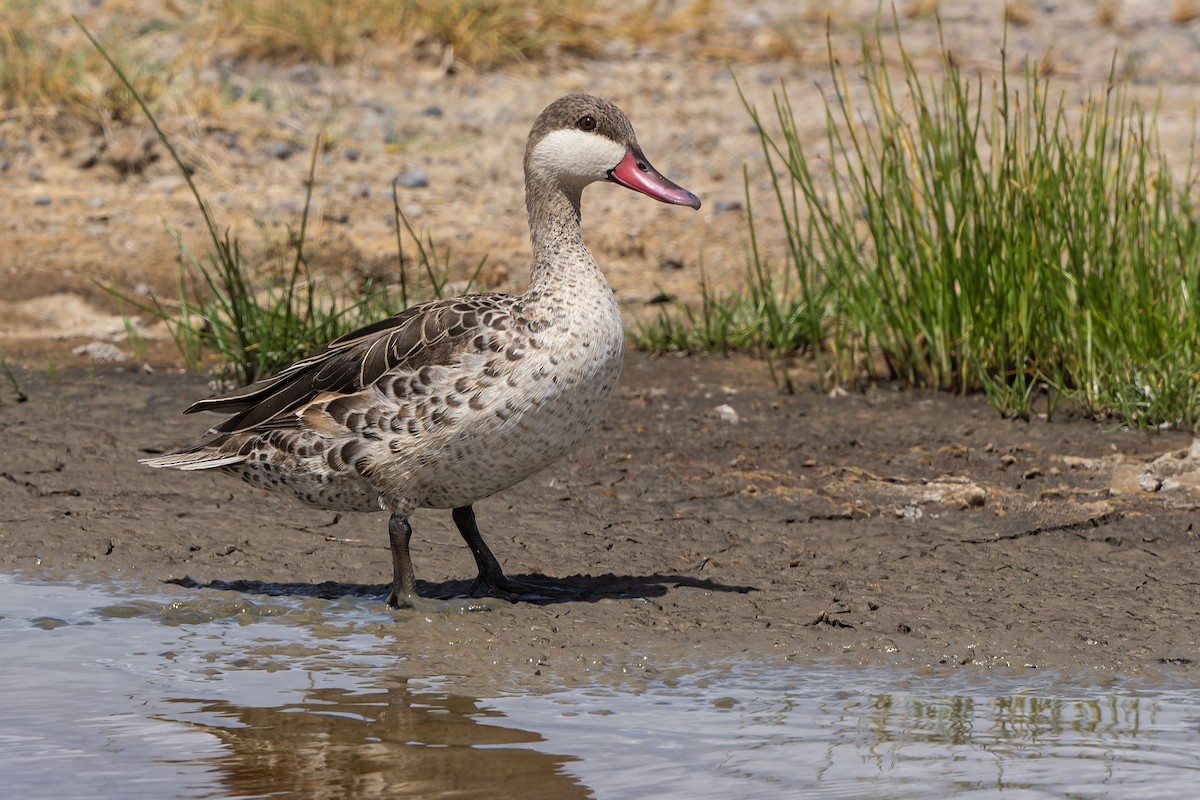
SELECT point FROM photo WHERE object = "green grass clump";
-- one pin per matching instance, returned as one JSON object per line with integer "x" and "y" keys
{"x": 246, "y": 323}
{"x": 767, "y": 317}
{"x": 17, "y": 392}
{"x": 975, "y": 237}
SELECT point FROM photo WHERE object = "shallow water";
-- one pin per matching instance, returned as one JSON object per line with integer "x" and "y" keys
{"x": 203, "y": 693}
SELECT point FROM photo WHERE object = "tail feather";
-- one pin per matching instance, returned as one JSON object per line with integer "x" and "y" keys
{"x": 200, "y": 457}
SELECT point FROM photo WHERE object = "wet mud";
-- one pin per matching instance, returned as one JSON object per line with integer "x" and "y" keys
{"x": 709, "y": 518}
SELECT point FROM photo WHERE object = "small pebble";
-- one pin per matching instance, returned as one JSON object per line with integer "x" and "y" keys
{"x": 725, "y": 206}
{"x": 305, "y": 75}
{"x": 280, "y": 150}
{"x": 1149, "y": 482}
{"x": 727, "y": 413}
{"x": 352, "y": 154}
{"x": 100, "y": 351}
{"x": 42, "y": 200}
{"x": 289, "y": 206}
{"x": 164, "y": 184}
{"x": 974, "y": 497}
{"x": 413, "y": 178}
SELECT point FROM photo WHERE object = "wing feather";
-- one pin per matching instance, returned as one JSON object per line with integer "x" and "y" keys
{"x": 429, "y": 334}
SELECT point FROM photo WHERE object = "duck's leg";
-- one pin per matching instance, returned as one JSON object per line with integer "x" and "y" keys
{"x": 404, "y": 581}
{"x": 490, "y": 573}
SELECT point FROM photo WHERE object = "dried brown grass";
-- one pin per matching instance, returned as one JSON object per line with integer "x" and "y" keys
{"x": 47, "y": 68}
{"x": 1018, "y": 12}
{"x": 1107, "y": 12}
{"x": 1184, "y": 11}
{"x": 481, "y": 33}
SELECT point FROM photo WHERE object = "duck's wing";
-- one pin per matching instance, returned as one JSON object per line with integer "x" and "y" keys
{"x": 425, "y": 335}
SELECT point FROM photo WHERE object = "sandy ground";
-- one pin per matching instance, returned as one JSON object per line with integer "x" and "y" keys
{"x": 885, "y": 527}
{"x": 79, "y": 207}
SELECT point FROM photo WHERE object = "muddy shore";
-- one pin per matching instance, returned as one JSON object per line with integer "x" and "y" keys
{"x": 710, "y": 517}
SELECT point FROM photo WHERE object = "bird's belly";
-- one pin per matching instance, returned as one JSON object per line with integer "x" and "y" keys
{"x": 310, "y": 481}
{"x": 514, "y": 432}
{"x": 467, "y": 435}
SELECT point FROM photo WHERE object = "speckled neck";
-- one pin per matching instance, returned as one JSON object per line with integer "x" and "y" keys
{"x": 559, "y": 254}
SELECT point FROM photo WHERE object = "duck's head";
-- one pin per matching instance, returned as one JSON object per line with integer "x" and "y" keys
{"x": 580, "y": 139}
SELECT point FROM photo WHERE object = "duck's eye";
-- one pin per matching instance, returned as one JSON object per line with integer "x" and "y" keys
{"x": 587, "y": 123}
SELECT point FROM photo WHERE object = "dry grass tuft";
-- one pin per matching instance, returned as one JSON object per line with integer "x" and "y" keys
{"x": 1107, "y": 12}
{"x": 1047, "y": 65}
{"x": 1018, "y": 12}
{"x": 482, "y": 33}
{"x": 916, "y": 9}
{"x": 46, "y": 68}
{"x": 321, "y": 31}
{"x": 1184, "y": 11}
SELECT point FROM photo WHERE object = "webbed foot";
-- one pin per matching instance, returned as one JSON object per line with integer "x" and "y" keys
{"x": 492, "y": 576}
{"x": 434, "y": 605}
{"x": 500, "y": 585}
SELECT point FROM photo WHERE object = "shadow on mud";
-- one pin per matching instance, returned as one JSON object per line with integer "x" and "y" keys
{"x": 579, "y": 588}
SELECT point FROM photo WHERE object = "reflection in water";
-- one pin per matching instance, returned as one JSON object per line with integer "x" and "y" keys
{"x": 763, "y": 733}
{"x": 214, "y": 696}
{"x": 384, "y": 743}
{"x": 1084, "y": 746}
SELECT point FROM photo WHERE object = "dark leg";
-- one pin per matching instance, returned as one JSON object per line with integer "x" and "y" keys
{"x": 404, "y": 581}
{"x": 490, "y": 573}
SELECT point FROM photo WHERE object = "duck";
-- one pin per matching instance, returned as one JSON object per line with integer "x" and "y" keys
{"x": 452, "y": 401}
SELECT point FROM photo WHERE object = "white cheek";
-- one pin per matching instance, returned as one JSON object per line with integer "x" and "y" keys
{"x": 577, "y": 155}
